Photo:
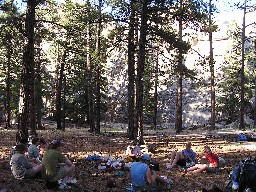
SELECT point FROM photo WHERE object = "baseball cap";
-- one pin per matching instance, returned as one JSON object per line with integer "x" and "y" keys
{"x": 145, "y": 157}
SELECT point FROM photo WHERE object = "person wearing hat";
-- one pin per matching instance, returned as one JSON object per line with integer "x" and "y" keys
{"x": 20, "y": 165}
{"x": 142, "y": 177}
{"x": 56, "y": 166}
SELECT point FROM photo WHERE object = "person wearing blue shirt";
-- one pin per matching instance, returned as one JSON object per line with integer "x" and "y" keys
{"x": 142, "y": 177}
{"x": 184, "y": 158}
{"x": 33, "y": 151}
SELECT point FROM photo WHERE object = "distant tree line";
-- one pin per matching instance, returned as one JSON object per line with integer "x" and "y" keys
{"x": 54, "y": 62}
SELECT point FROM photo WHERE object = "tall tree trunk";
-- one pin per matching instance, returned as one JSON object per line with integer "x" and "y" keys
{"x": 27, "y": 98}
{"x": 23, "y": 110}
{"x": 57, "y": 71}
{"x": 155, "y": 89}
{"x": 254, "y": 123}
{"x": 89, "y": 82}
{"x": 211, "y": 69}
{"x": 31, "y": 63}
{"x": 178, "y": 119}
{"x": 59, "y": 98}
{"x": 241, "y": 126}
{"x": 8, "y": 84}
{"x": 131, "y": 68}
{"x": 140, "y": 71}
{"x": 38, "y": 88}
{"x": 98, "y": 49}
{"x": 63, "y": 116}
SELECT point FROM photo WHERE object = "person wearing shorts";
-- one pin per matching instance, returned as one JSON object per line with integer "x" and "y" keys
{"x": 20, "y": 165}
{"x": 213, "y": 165}
{"x": 184, "y": 158}
{"x": 56, "y": 165}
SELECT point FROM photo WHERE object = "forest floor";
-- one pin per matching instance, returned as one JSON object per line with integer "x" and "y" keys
{"x": 79, "y": 144}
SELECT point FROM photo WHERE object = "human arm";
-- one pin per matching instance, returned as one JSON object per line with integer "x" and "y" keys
{"x": 148, "y": 176}
{"x": 25, "y": 163}
{"x": 68, "y": 162}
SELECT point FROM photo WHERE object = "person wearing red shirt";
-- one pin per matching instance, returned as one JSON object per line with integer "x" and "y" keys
{"x": 213, "y": 165}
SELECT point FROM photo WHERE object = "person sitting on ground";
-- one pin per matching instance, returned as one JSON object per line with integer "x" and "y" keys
{"x": 22, "y": 141}
{"x": 211, "y": 157}
{"x": 20, "y": 165}
{"x": 42, "y": 146}
{"x": 36, "y": 149}
{"x": 33, "y": 151}
{"x": 142, "y": 177}
{"x": 57, "y": 166}
{"x": 184, "y": 158}
{"x": 133, "y": 150}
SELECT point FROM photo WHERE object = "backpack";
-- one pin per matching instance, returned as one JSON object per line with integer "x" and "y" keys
{"x": 245, "y": 174}
{"x": 242, "y": 137}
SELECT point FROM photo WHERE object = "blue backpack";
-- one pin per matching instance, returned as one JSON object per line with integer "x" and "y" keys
{"x": 242, "y": 137}
{"x": 245, "y": 175}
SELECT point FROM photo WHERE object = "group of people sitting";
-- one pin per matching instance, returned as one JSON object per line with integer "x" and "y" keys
{"x": 44, "y": 159}
{"x": 48, "y": 160}
{"x": 187, "y": 159}
{"x": 142, "y": 177}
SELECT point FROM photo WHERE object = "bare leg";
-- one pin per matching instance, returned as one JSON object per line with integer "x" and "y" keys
{"x": 198, "y": 168}
{"x": 173, "y": 155}
{"x": 178, "y": 156}
{"x": 37, "y": 168}
{"x": 168, "y": 165}
{"x": 156, "y": 178}
{"x": 71, "y": 171}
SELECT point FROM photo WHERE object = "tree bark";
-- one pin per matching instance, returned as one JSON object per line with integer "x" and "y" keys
{"x": 59, "y": 98}
{"x": 38, "y": 88}
{"x": 241, "y": 125}
{"x": 131, "y": 68}
{"x": 89, "y": 82}
{"x": 27, "y": 112}
{"x": 213, "y": 117}
{"x": 178, "y": 119}
{"x": 98, "y": 49}
{"x": 140, "y": 71}
{"x": 8, "y": 84}
{"x": 254, "y": 122}
{"x": 155, "y": 88}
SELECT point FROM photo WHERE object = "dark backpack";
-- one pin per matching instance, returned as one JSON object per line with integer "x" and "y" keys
{"x": 245, "y": 175}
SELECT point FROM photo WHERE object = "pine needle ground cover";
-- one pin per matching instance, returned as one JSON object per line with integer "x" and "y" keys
{"x": 79, "y": 144}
